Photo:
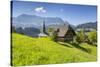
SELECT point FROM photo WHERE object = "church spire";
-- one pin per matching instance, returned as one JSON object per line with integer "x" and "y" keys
{"x": 44, "y": 29}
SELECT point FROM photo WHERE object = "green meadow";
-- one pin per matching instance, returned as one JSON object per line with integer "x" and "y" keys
{"x": 35, "y": 51}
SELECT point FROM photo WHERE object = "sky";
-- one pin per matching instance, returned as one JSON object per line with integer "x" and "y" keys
{"x": 74, "y": 14}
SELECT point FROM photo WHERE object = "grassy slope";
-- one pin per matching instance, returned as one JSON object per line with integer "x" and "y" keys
{"x": 32, "y": 51}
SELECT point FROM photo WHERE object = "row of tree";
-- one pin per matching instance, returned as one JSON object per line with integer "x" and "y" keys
{"x": 89, "y": 37}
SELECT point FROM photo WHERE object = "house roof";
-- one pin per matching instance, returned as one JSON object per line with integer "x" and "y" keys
{"x": 64, "y": 29}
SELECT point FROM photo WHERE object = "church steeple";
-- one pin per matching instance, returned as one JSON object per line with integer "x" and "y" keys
{"x": 44, "y": 29}
{"x": 43, "y": 33}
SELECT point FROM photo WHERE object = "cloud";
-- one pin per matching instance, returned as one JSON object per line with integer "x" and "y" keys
{"x": 40, "y": 9}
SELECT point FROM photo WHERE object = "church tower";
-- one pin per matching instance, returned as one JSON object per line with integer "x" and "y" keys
{"x": 44, "y": 29}
{"x": 43, "y": 33}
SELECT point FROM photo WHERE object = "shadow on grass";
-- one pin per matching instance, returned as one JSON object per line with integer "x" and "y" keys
{"x": 76, "y": 46}
{"x": 92, "y": 44}
{"x": 79, "y": 47}
{"x": 64, "y": 44}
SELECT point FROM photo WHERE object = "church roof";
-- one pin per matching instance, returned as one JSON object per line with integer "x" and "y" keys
{"x": 42, "y": 35}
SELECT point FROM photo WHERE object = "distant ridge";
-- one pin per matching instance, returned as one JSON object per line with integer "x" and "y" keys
{"x": 92, "y": 25}
{"x": 25, "y": 20}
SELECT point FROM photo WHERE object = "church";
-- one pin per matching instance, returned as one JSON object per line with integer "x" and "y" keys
{"x": 43, "y": 33}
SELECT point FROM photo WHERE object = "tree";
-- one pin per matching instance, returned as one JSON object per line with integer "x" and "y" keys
{"x": 92, "y": 36}
{"x": 55, "y": 35}
{"x": 13, "y": 29}
{"x": 80, "y": 37}
{"x": 19, "y": 30}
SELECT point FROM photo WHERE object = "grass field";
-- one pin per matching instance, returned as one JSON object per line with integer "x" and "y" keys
{"x": 34, "y": 51}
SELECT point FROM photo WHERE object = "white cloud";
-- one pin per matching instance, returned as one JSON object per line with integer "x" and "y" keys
{"x": 40, "y": 9}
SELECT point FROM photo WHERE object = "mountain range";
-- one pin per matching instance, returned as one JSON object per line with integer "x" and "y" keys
{"x": 32, "y": 25}
{"x": 25, "y": 20}
{"x": 92, "y": 25}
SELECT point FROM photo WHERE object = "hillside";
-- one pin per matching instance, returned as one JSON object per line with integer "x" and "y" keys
{"x": 33, "y": 51}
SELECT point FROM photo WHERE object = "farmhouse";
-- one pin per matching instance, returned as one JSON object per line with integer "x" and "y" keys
{"x": 65, "y": 33}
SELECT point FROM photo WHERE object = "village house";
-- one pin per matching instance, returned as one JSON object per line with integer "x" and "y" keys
{"x": 65, "y": 33}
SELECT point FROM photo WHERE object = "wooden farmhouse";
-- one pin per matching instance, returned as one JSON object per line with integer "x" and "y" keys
{"x": 65, "y": 33}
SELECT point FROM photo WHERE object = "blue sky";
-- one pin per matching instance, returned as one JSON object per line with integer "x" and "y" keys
{"x": 74, "y": 14}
